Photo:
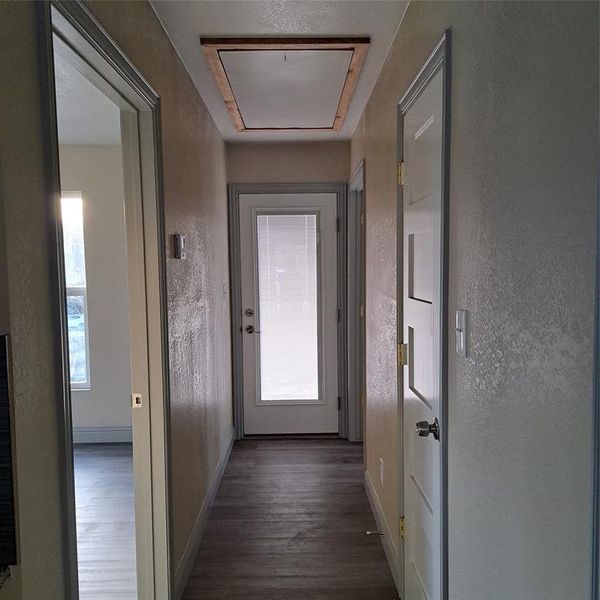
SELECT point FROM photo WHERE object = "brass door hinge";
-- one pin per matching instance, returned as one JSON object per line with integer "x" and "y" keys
{"x": 401, "y": 173}
{"x": 402, "y": 528}
{"x": 402, "y": 355}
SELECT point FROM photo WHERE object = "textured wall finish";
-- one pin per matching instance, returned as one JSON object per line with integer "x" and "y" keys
{"x": 524, "y": 162}
{"x": 378, "y": 148}
{"x": 314, "y": 162}
{"x": 198, "y": 296}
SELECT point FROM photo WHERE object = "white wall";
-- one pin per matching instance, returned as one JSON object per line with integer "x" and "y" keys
{"x": 102, "y": 413}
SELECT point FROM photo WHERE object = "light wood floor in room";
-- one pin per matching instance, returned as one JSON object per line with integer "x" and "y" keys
{"x": 289, "y": 523}
{"x": 105, "y": 521}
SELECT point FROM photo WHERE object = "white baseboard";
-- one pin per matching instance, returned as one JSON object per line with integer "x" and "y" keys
{"x": 186, "y": 564}
{"x": 102, "y": 435}
{"x": 391, "y": 552}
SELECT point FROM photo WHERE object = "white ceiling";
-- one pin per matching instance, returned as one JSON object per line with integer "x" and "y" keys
{"x": 85, "y": 114}
{"x": 186, "y": 21}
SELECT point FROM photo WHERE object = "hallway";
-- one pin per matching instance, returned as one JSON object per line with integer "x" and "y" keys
{"x": 362, "y": 237}
{"x": 289, "y": 523}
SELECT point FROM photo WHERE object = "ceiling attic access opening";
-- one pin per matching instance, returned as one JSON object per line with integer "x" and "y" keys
{"x": 286, "y": 84}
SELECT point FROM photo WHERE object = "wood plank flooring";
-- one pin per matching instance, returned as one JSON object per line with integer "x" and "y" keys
{"x": 289, "y": 523}
{"x": 105, "y": 521}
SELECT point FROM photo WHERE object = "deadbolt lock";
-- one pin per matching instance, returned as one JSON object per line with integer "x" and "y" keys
{"x": 424, "y": 428}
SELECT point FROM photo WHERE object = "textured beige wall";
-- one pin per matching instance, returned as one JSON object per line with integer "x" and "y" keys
{"x": 316, "y": 162}
{"x": 195, "y": 195}
{"x": 522, "y": 205}
{"x": 30, "y": 314}
{"x": 198, "y": 296}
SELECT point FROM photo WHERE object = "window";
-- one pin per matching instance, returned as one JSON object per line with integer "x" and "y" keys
{"x": 288, "y": 272}
{"x": 77, "y": 315}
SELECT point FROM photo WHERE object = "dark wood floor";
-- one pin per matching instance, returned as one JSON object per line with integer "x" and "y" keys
{"x": 105, "y": 521}
{"x": 289, "y": 523}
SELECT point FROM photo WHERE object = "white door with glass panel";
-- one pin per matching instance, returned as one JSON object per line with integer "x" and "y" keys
{"x": 422, "y": 207}
{"x": 289, "y": 312}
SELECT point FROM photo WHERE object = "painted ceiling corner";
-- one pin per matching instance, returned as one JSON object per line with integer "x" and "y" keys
{"x": 285, "y": 107}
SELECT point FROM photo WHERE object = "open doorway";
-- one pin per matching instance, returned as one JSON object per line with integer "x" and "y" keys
{"x": 110, "y": 242}
{"x": 97, "y": 300}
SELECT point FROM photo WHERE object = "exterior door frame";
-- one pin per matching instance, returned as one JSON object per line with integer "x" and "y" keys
{"x": 439, "y": 59}
{"x": 235, "y": 276}
{"x": 76, "y": 25}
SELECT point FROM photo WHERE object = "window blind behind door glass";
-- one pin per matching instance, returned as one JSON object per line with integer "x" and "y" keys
{"x": 288, "y": 307}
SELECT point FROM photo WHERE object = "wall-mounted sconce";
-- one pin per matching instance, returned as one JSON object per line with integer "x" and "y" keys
{"x": 179, "y": 245}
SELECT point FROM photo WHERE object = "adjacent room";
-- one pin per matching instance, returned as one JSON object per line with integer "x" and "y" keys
{"x": 97, "y": 307}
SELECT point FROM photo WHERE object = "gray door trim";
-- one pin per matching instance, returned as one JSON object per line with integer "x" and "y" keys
{"x": 440, "y": 58}
{"x": 57, "y": 275}
{"x": 596, "y": 429}
{"x": 235, "y": 278}
{"x": 79, "y": 17}
{"x": 356, "y": 292}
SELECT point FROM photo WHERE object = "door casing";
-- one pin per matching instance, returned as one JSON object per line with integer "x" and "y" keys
{"x": 235, "y": 190}
{"x": 595, "y": 583}
{"x": 77, "y": 27}
{"x": 438, "y": 59}
{"x": 356, "y": 268}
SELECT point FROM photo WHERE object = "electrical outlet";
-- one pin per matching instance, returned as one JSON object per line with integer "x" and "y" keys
{"x": 381, "y": 470}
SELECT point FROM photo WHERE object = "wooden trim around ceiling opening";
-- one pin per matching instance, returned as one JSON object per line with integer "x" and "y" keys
{"x": 212, "y": 46}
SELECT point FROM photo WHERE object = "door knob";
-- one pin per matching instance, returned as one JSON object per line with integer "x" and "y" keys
{"x": 424, "y": 428}
{"x": 251, "y": 329}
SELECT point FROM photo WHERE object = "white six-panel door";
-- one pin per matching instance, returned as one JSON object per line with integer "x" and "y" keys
{"x": 422, "y": 297}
